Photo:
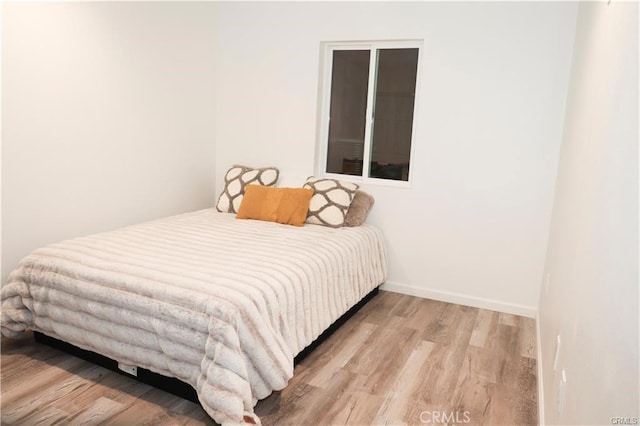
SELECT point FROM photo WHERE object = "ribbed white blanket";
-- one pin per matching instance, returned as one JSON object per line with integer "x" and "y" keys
{"x": 220, "y": 303}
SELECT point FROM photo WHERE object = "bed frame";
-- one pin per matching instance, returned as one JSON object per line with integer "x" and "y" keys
{"x": 175, "y": 386}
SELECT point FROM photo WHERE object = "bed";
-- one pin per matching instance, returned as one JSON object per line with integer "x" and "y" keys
{"x": 222, "y": 304}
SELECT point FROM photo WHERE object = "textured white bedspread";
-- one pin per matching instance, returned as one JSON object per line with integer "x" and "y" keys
{"x": 220, "y": 303}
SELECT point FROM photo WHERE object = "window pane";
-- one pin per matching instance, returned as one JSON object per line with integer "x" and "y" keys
{"x": 393, "y": 113}
{"x": 349, "y": 80}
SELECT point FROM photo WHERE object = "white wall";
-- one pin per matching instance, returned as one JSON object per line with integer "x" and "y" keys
{"x": 592, "y": 297}
{"x": 107, "y": 117}
{"x": 473, "y": 228}
{"x": 119, "y": 113}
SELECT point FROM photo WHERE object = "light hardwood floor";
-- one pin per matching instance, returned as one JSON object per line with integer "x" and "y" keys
{"x": 399, "y": 360}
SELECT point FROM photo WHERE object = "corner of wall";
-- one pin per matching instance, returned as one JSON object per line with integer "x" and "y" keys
{"x": 539, "y": 379}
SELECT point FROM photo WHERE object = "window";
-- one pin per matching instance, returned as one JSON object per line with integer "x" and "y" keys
{"x": 368, "y": 109}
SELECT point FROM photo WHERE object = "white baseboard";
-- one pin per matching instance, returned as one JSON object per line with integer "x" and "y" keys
{"x": 539, "y": 378}
{"x": 461, "y": 299}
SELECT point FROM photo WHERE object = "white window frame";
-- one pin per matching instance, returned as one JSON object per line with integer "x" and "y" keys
{"x": 327, "y": 49}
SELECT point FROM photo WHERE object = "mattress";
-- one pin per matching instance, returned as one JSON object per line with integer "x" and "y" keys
{"x": 219, "y": 303}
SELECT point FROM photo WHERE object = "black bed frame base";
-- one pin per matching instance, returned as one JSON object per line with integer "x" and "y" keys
{"x": 170, "y": 384}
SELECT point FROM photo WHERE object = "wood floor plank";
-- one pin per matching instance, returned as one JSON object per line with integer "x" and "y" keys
{"x": 45, "y": 417}
{"x": 473, "y": 392}
{"x": 97, "y": 412}
{"x": 334, "y": 360}
{"x": 508, "y": 319}
{"x": 527, "y": 340}
{"x": 382, "y": 307}
{"x": 295, "y": 397}
{"x": 400, "y": 360}
{"x": 392, "y": 353}
{"x": 353, "y": 408}
{"x": 481, "y": 328}
{"x": 51, "y": 388}
{"x": 29, "y": 383}
{"x": 344, "y": 383}
{"x": 399, "y": 394}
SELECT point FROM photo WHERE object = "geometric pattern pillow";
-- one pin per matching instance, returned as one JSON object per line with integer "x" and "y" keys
{"x": 235, "y": 181}
{"x": 330, "y": 202}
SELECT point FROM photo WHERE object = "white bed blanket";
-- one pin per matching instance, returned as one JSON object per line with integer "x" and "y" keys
{"x": 220, "y": 303}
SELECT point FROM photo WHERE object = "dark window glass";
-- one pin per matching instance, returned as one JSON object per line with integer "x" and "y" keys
{"x": 393, "y": 113}
{"x": 347, "y": 114}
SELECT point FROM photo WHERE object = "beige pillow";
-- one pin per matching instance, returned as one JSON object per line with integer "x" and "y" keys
{"x": 359, "y": 209}
{"x": 330, "y": 202}
{"x": 235, "y": 181}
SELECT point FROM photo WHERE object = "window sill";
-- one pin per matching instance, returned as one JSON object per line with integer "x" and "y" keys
{"x": 360, "y": 180}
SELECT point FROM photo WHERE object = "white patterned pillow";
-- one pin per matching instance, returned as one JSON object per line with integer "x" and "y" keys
{"x": 235, "y": 181}
{"x": 330, "y": 202}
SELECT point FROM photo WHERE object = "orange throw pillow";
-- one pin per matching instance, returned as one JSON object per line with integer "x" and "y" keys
{"x": 282, "y": 205}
